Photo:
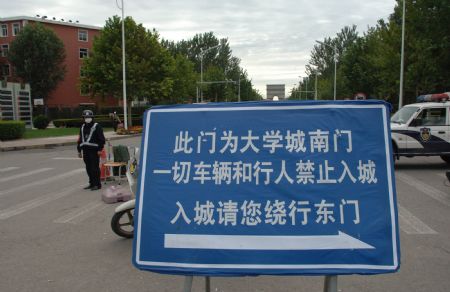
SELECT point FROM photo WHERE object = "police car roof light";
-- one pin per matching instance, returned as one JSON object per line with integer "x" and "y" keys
{"x": 439, "y": 97}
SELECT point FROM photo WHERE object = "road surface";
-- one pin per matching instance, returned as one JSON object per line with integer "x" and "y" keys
{"x": 55, "y": 236}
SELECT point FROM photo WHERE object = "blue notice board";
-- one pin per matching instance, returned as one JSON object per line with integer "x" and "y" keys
{"x": 267, "y": 188}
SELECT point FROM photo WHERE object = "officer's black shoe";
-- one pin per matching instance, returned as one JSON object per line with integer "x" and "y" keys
{"x": 95, "y": 188}
{"x": 88, "y": 187}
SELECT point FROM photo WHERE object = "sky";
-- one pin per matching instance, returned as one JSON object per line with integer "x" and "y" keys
{"x": 273, "y": 38}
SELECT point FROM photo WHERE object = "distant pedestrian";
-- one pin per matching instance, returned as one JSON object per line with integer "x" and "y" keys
{"x": 115, "y": 120}
{"x": 90, "y": 145}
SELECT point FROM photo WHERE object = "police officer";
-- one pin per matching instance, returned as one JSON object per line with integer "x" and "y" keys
{"x": 90, "y": 145}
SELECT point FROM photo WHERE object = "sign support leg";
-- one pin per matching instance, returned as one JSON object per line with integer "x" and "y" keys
{"x": 207, "y": 284}
{"x": 188, "y": 283}
{"x": 330, "y": 284}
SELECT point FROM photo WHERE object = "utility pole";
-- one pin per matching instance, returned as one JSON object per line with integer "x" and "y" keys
{"x": 335, "y": 65}
{"x": 239, "y": 87}
{"x": 400, "y": 96}
{"x": 315, "y": 89}
{"x": 124, "y": 79}
{"x": 306, "y": 88}
{"x": 300, "y": 87}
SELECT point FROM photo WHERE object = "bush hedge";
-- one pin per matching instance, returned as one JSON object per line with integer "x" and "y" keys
{"x": 74, "y": 113}
{"x": 10, "y": 130}
{"x": 40, "y": 122}
{"x": 105, "y": 122}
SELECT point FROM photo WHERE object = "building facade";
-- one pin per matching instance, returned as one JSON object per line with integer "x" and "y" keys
{"x": 275, "y": 90}
{"x": 77, "y": 39}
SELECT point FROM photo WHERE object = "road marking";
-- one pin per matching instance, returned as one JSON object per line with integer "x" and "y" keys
{"x": 8, "y": 169}
{"x": 66, "y": 158}
{"x": 80, "y": 214}
{"x": 442, "y": 175}
{"x": 31, "y": 204}
{"x": 424, "y": 188}
{"x": 410, "y": 224}
{"x": 42, "y": 182}
{"x": 25, "y": 174}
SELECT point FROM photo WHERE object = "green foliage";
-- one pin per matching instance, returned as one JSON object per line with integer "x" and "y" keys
{"x": 163, "y": 72}
{"x": 38, "y": 57}
{"x": 75, "y": 113}
{"x": 218, "y": 65}
{"x": 104, "y": 121}
{"x": 40, "y": 122}
{"x": 371, "y": 63}
{"x": 49, "y": 132}
{"x": 148, "y": 65}
{"x": 184, "y": 80}
{"x": 10, "y": 130}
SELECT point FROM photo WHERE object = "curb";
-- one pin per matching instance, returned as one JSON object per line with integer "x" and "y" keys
{"x": 51, "y": 145}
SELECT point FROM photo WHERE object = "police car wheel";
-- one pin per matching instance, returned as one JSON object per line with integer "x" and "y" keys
{"x": 122, "y": 223}
{"x": 446, "y": 158}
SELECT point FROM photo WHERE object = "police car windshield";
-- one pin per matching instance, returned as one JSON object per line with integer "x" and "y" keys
{"x": 404, "y": 114}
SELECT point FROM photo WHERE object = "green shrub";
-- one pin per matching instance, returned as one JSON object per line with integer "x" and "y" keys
{"x": 68, "y": 123}
{"x": 74, "y": 113}
{"x": 59, "y": 123}
{"x": 65, "y": 113}
{"x": 40, "y": 122}
{"x": 104, "y": 121}
{"x": 10, "y": 130}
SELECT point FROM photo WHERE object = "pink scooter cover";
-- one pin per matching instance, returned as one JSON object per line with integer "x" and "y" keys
{"x": 114, "y": 194}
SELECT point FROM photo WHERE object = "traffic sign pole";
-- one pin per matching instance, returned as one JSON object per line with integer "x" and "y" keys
{"x": 330, "y": 284}
{"x": 188, "y": 283}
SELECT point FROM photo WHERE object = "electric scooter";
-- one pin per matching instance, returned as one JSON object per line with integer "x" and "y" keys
{"x": 122, "y": 222}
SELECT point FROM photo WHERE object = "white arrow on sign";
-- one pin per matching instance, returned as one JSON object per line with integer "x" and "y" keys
{"x": 257, "y": 242}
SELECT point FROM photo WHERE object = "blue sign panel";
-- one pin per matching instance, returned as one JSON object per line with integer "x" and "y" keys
{"x": 274, "y": 188}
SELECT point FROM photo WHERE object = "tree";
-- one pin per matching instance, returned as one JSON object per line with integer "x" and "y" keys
{"x": 322, "y": 60}
{"x": 427, "y": 45}
{"x": 372, "y": 63}
{"x": 149, "y": 67}
{"x": 38, "y": 57}
{"x": 218, "y": 65}
{"x": 184, "y": 80}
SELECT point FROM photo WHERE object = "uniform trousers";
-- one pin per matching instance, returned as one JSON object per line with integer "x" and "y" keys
{"x": 92, "y": 161}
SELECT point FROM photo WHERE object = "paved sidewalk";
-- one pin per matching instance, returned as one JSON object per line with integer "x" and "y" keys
{"x": 52, "y": 141}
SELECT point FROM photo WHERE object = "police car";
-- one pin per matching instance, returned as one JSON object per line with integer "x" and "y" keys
{"x": 422, "y": 129}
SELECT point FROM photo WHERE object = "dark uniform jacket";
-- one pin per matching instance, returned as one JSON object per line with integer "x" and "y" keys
{"x": 91, "y": 137}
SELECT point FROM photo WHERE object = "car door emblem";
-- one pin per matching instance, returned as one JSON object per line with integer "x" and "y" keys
{"x": 425, "y": 134}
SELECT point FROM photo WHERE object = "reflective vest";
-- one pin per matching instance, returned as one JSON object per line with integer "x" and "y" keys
{"x": 88, "y": 141}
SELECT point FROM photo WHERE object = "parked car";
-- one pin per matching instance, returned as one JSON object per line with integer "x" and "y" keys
{"x": 422, "y": 129}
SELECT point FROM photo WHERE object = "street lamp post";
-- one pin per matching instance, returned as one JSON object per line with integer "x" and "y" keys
{"x": 300, "y": 87}
{"x": 400, "y": 96}
{"x": 202, "y": 53}
{"x": 335, "y": 65}
{"x": 239, "y": 87}
{"x": 306, "y": 90}
{"x": 124, "y": 80}
{"x": 315, "y": 87}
